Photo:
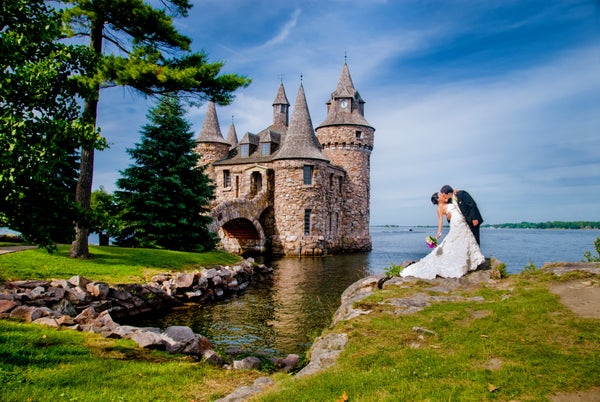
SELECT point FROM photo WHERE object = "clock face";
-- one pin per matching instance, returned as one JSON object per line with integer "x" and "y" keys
{"x": 344, "y": 103}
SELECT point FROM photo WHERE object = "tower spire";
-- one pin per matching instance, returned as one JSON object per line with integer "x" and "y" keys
{"x": 300, "y": 141}
{"x": 281, "y": 107}
{"x": 232, "y": 138}
{"x": 211, "y": 131}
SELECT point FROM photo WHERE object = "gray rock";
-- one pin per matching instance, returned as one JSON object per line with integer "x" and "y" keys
{"x": 79, "y": 281}
{"x": 287, "y": 363}
{"x": 212, "y": 357}
{"x": 7, "y": 305}
{"x": 48, "y": 321}
{"x": 98, "y": 289}
{"x": 324, "y": 353}
{"x": 26, "y": 313}
{"x": 148, "y": 340}
{"x": 184, "y": 280}
{"x": 247, "y": 363}
{"x": 245, "y": 392}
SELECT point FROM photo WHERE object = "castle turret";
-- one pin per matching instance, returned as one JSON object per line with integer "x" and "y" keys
{"x": 210, "y": 144}
{"x": 281, "y": 108}
{"x": 347, "y": 141}
{"x": 300, "y": 141}
{"x": 299, "y": 202}
{"x": 232, "y": 138}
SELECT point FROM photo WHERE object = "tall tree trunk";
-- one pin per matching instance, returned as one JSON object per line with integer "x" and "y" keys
{"x": 80, "y": 247}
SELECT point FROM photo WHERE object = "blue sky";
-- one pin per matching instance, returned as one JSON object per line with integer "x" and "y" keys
{"x": 499, "y": 98}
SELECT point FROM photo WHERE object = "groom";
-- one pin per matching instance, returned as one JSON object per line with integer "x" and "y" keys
{"x": 467, "y": 206}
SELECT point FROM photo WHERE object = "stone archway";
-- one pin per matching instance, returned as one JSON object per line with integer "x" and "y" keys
{"x": 242, "y": 236}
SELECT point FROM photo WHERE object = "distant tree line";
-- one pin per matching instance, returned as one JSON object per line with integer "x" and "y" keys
{"x": 549, "y": 225}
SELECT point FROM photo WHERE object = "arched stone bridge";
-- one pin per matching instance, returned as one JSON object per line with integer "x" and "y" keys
{"x": 237, "y": 222}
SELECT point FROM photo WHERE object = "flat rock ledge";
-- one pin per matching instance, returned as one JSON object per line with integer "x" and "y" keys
{"x": 84, "y": 305}
{"x": 326, "y": 349}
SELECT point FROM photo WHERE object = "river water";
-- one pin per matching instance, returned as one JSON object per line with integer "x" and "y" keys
{"x": 284, "y": 315}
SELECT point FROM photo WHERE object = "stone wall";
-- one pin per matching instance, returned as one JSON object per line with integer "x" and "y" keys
{"x": 344, "y": 149}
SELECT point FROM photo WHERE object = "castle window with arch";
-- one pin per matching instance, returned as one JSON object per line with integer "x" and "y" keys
{"x": 308, "y": 173}
{"x": 307, "y": 222}
{"x": 358, "y": 134}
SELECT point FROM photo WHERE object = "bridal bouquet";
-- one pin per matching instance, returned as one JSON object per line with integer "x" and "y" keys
{"x": 431, "y": 242}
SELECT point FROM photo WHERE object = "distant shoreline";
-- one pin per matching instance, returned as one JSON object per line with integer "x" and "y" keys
{"x": 576, "y": 225}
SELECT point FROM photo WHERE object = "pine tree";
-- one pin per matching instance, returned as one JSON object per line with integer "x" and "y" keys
{"x": 41, "y": 127}
{"x": 164, "y": 195}
{"x": 145, "y": 52}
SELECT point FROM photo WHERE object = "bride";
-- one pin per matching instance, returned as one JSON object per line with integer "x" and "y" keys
{"x": 457, "y": 254}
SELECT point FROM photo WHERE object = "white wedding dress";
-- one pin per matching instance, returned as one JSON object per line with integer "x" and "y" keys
{"x": 457, "y": 254}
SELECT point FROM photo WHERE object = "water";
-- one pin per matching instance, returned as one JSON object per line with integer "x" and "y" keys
{"x": 515, "y": 247}
{"x": 284, "y": 315}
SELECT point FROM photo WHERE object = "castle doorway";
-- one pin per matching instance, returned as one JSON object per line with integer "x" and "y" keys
{"x": 240, "y": 236}
{"x": 255, "y": 184}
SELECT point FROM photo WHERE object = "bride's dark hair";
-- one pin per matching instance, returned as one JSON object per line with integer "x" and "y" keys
{"x": 434, "y": 198}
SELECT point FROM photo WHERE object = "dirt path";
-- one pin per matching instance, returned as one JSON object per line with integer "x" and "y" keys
{"x": 582, "y": 296}
{"x": 12, "y": 249}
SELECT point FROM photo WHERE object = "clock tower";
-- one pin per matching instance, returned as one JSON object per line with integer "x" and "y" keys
{"x": 347, "y": 141}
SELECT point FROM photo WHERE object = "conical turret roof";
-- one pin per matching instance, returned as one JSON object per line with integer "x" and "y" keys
{"x": 300, "y": 141}
{"x": 281, "y": 98}
{"x": 345, "y": 87}
{"x": 353, "y": 116}
{"x": 232, "y": 138}
{"x": 211, "y": 132}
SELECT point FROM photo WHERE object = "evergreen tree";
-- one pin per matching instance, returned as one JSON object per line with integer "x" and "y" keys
{"x": 164, "y": 195}
{"x": 146, "y": 53}
{"x": 41, "y": 127}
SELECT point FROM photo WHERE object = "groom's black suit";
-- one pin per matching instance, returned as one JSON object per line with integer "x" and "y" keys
{"x": 469, "y": 209}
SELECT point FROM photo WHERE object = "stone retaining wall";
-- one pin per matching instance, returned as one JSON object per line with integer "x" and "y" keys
{"x": 84, "y": 305}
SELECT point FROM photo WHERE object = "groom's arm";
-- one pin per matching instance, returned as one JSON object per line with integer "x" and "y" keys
{"x": 470, "y": 207}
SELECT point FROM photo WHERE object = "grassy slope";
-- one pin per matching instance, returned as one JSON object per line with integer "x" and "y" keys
{"x": 519, "y": 344}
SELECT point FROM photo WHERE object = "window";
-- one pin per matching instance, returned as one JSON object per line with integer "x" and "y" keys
{"x": 244, "y": 150}
{"x": 255, "y": 183}
{"x": 266, "y": 148}
{"x": 340, "y": 184}
{"x": 226, "y": 178}
{"x": 307, "y": 222}
{"x": 358, "y": 135}
{"x": 308, "y": 172}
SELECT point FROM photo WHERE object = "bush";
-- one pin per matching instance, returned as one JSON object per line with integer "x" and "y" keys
{"x": 588, "y": 255}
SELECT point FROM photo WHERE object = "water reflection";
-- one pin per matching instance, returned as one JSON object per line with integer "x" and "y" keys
{"x": 279, "y": 316}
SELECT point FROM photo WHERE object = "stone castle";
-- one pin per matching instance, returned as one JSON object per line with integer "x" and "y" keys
{"x": 287, "y": 191}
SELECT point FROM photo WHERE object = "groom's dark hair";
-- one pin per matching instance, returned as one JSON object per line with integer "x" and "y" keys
{"x": 446, "y": 189}
{"x": 434, "y": 198}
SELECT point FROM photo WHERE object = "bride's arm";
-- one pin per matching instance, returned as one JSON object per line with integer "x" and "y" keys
{"x": 440, "y": 214}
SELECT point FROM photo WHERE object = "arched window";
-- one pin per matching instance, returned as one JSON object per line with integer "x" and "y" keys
{"x": 255, "y": 183}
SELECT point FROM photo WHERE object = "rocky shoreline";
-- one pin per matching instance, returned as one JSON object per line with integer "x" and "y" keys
{"x": 92, "y": 306}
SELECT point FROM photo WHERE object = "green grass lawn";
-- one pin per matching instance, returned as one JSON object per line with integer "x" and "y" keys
{"x": 44, "y": 364}
{"x": 520, "y": 343}
{"x": 110, "y": 264}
